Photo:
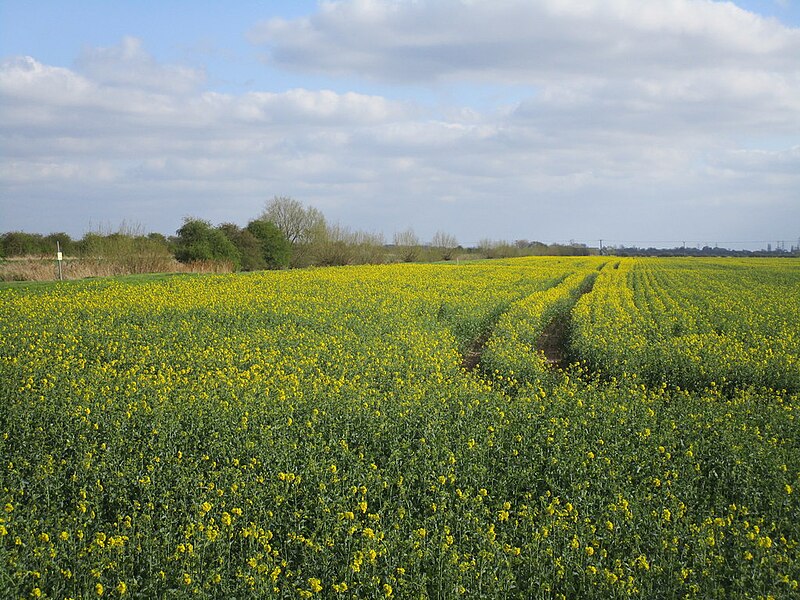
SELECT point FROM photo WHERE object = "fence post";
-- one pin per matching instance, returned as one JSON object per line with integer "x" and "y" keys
{"x": 59, "y": 258}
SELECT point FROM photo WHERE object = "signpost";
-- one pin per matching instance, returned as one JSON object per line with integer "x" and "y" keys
{"x": 59, "y": 258}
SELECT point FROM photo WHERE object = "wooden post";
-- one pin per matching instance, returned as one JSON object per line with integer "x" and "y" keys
{"x": 59, "y": 258}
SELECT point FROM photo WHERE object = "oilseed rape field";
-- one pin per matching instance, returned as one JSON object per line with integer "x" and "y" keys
{"x": 397, "y": 431}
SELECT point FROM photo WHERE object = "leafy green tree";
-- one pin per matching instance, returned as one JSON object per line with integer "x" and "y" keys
{"x": 198, "y": 241}
{"x": 275, "y": 248}
{"x": 91, "y": 244}
{"x": 63, "y": 239}
{"x": 19, "y": 243}
{"x": 247, "y": 244}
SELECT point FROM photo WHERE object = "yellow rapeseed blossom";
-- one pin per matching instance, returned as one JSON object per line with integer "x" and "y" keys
{"x": 360, "y": 418}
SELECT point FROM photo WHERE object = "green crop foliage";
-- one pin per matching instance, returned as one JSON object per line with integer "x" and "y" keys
{"x": 314, "y": 433}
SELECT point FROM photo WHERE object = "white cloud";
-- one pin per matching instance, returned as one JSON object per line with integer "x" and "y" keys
{"x": 129, "y": 66}
{"x": 645, "y": 66}
{"x": 634, "y": 125}
{"x": 530, "y": 40}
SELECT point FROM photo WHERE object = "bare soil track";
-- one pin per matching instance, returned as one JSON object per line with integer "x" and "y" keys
{"x": 472, "y": 357}
{"x": 554, "y": 340}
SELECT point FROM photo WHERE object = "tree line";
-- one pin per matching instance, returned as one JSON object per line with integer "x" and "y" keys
{"x": 285, "y": 234}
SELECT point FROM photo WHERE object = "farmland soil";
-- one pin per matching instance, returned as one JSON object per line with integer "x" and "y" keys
{"x": 472, "y": 357}
{"x": 554, "y": 340}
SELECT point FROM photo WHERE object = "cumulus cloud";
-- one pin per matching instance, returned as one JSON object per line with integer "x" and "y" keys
{"x": 96, "y": 134}
{"x": 695, "y": 63}
{"x": 530, "y": 40}
{"x": 128, "y": 65}
{"x": 647, "y": 118}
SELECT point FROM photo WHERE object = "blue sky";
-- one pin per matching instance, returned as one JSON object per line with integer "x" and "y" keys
{"x": 626, "y": 120}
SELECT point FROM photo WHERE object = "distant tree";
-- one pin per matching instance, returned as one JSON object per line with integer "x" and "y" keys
{"x": 159, "y": 238}
{"x": 299, "y": 224}
{"x": 19, "y": 243}
{"x": 334, "y": 247}
{"x": 486, "y": 247}
{"x": 537, "y": 248}
{"x": 445, "y": 244}
{"x": 407, "y": 244}
{"x": 497, "y": 248}
{"x": 197, "y": 240}
{"x": 370, "y": 248}
{"x": 248, "y": 247}
{"x": 275, "y": 249}
{"x": 62, "y": 239}
{"x": 304, "y": 227}
{"x": 91, "y": 244}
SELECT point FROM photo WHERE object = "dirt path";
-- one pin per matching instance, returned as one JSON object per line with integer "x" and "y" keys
{"x": 554, "y": 340}
{"x": 472, "y": 357}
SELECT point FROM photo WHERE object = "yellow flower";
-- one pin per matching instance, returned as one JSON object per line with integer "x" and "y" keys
{"x": 98, "y": 589}
{"x": 122, "y": 588}
{"x": 387, "y": 590}
{"x": 315, "y": 584}
{"x": 589, "y": 550}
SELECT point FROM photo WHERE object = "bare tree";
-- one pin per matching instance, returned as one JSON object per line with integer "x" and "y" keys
{"x": 339, "y": 245}
{"x": 298, "y": 223}
{"x": 407, "y": 244}
{"x": 497, "y": 248}
{"x": 445, "y": 243}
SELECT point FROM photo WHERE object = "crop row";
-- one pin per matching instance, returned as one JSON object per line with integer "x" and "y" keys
{"x": 313, "y": 434}
{"x": 720, "y": 323}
